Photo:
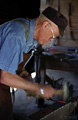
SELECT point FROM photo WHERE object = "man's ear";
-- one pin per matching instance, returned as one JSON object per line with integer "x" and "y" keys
{"x": 45, "y": 24}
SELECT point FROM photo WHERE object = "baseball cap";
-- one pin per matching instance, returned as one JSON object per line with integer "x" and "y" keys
{"x": 56, "y": 17}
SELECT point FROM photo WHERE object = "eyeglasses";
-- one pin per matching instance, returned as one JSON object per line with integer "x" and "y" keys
{"x": 52, "y": 31}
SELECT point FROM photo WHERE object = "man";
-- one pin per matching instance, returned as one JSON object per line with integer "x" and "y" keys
{"x": 13, "y": 42}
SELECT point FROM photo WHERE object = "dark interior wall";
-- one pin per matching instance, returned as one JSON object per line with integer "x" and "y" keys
{"x": 69, "y": 8}
{"x": 11, "y": 9}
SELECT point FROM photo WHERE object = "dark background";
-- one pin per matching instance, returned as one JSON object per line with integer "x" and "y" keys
{"x": 10, "y": 9}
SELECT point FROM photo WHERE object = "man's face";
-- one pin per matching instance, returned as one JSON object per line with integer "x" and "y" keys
{"x": 48, "y": 32}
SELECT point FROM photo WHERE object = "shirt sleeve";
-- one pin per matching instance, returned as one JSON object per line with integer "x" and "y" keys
{"x": 10, "y": 54}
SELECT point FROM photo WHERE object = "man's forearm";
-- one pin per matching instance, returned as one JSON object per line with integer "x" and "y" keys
{"x": 18, "y": 82}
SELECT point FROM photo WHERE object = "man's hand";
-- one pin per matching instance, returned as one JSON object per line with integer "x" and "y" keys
{"x": 48, "y": 92}
{"x": 24, "y": 74}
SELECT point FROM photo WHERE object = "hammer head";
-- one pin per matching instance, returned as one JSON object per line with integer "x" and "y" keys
{"x": 65, "y": 91}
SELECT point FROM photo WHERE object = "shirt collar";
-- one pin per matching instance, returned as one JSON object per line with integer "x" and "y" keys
{"x": 31, "y": 40}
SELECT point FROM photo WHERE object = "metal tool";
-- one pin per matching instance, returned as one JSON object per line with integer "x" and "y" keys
{"x": 64, "y": 91}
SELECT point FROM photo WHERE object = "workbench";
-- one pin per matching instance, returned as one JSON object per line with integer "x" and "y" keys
{"x": 58, "y": 63}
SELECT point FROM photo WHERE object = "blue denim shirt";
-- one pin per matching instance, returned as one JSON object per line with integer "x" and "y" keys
{"x": 13, "y": 43}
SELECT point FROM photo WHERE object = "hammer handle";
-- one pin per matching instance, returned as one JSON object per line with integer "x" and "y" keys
{"x": 59, "y": 92}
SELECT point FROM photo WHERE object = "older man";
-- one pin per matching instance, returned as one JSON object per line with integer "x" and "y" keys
{"x": 18, "y": 36}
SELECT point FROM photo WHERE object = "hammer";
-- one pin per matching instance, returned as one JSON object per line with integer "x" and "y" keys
{"x": 61, "y": 92}
{"x": 64, "y": 91}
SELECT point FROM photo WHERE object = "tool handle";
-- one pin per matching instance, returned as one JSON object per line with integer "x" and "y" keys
{"x": 59, "y": 92}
